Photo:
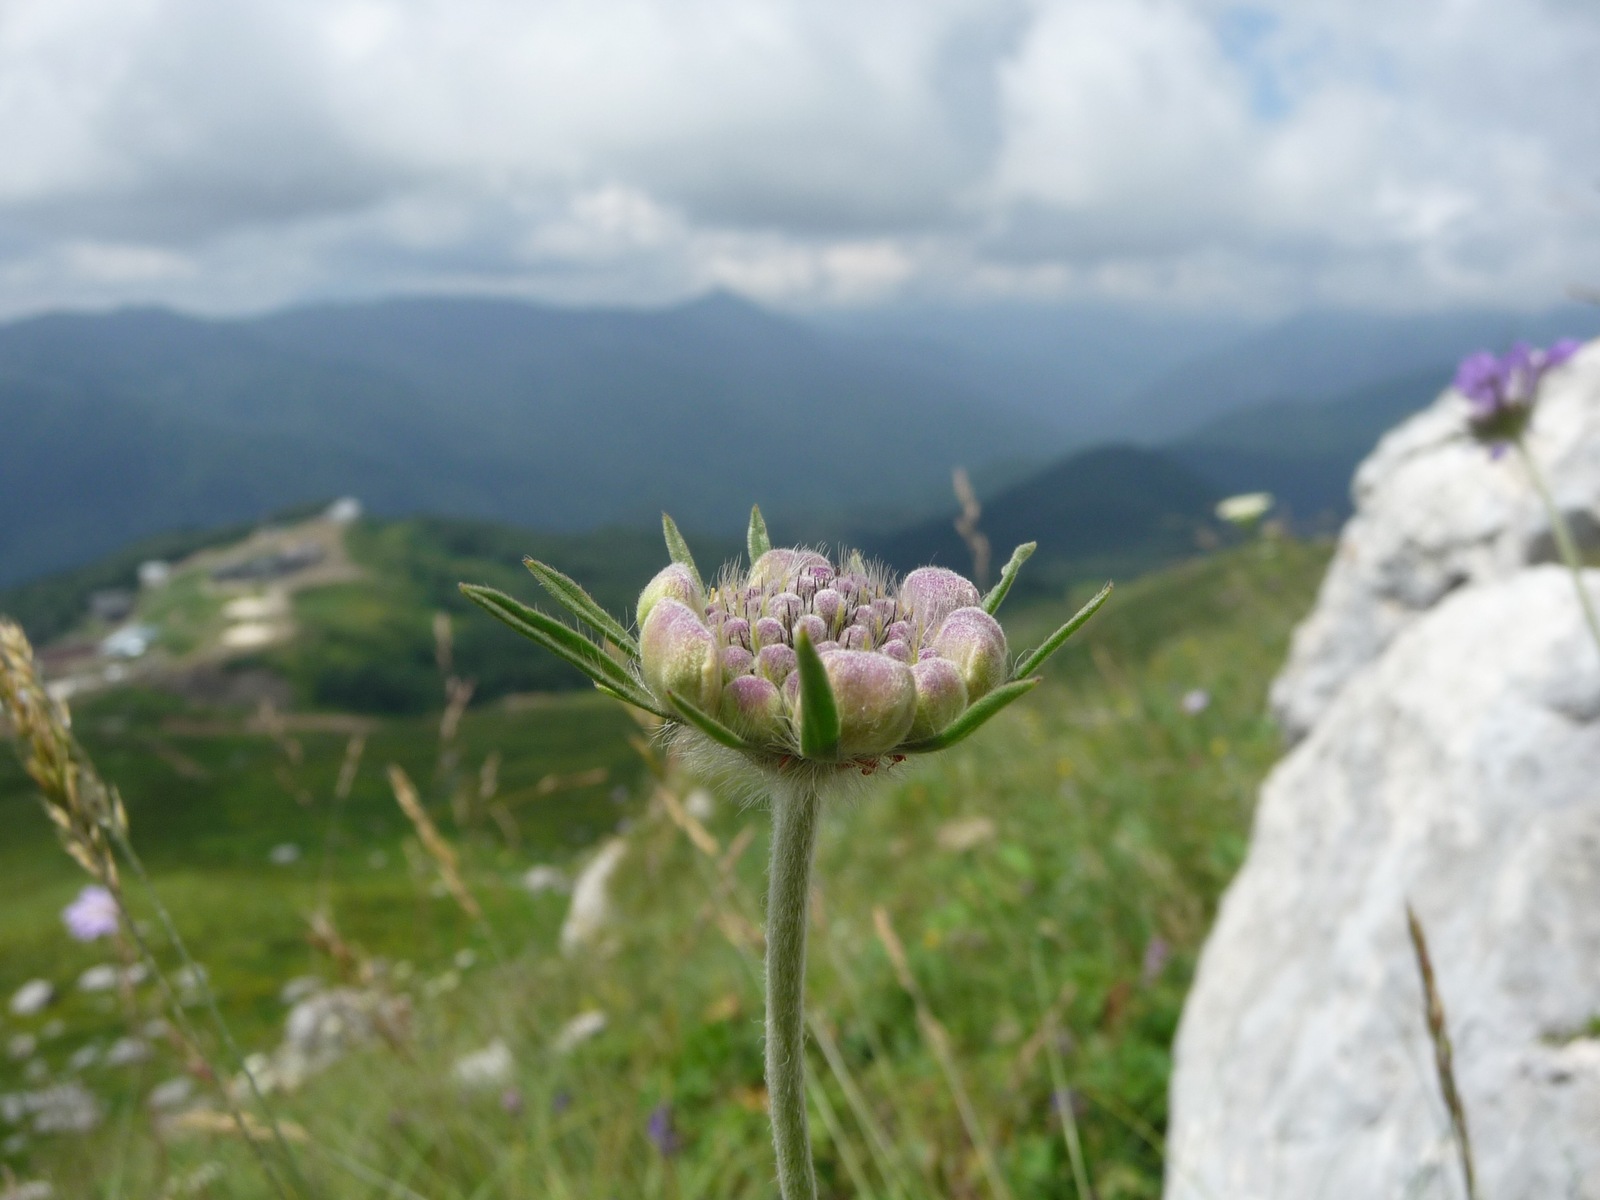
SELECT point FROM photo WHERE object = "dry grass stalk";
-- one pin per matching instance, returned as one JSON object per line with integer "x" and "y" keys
{"x": 1443, "y": 1054}
{"x": 684, "y": 820}
{"x": 939, "y": 1042}
{"x": 205, "y": 1120}
{"x": 967, "y": 526}
{"x": 442, "y": 853}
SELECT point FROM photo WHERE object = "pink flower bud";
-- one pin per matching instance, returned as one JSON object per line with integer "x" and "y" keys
{"x": 775, "y": 662}
{"x": 678, "y": 654}
{"x": 785, "y": 606}
{"x": 898, "y": 631}
{"x": 828, "y": 604}
{"x": 930, "y": 594}
{"x": 824, "y": 647}
{"x": 896, "y": 649}
{"x": 941, "y": 696}
{"x": 752, "y": 708}
{"x": 877, "y": 701}
{"x": 673, "y": 582}
{"x": 736, "y": 632}
{"x": 736, "y": 660}
{"x": 814, "y": 626}
{"x": 973, "y": 640}
{"x": 770, "y": 632}
{"x": 777, "y": 570}
{"x": 856, "y": 638}
{"x": 884, "y": 609}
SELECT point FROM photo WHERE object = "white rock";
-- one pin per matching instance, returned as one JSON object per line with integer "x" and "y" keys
{"x": 590, "y": 910}
{"x": 1434, "y": 512}
{"x": 1460, "y": 770}
{"x": 127, "y": 1051}
{"x": 100, "y": 978}
{"x": 32, "y": 998}
{"x": 487, "y": 1068}
{"x": 545, "y": 878}
{"x": 579, "y": 1030}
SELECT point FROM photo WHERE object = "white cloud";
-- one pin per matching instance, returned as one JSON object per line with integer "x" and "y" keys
{"x": 246, "y": 154}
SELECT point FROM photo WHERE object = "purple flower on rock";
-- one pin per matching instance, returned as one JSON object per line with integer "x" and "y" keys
{"x": 1502, "y": 388}
{"x": 93, "y": 915}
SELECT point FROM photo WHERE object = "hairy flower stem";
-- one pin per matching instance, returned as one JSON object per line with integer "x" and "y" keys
{"x": 1563, "y": 537}
{"x": 794, "y": 842}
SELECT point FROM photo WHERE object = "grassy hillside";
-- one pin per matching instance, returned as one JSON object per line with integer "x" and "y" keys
{"x": 1050, "y": 880}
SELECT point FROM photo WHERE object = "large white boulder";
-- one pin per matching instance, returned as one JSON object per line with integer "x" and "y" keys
{"x": 1458, "y": 768}
{"x": 1433, "y": 512}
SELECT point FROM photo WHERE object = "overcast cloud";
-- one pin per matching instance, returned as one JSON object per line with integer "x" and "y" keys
{"x": 232, "y": 155}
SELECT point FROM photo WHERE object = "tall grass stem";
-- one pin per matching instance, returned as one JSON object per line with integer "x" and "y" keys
{"x": 1562, "y": 533}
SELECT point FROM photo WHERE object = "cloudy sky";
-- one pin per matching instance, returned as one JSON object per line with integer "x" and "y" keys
{"x": 233, "y": 155}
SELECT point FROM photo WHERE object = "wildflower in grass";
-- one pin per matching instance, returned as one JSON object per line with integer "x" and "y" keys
{"x": 93, "y": 915}
{"x": 1502, "y": 391}
{"x": 661, "y": 1131}
{"x": 1196, "y": 701}
{"x": 797, "y": 676}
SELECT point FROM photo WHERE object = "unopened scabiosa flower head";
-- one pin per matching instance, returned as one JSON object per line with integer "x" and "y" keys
{"x": 1502, "y": 388}
{"x": 797, "y": 662}
{"x": 93, "y": 915}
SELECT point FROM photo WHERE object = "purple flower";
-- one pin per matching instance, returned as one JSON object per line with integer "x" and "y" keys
{"x": 1502, "y": 388}
{"x": 1156, "y": 954}
{"x": 1196, "y": 701}
{"x": 661, "y": 1131}
{"x": 93, "y": 915}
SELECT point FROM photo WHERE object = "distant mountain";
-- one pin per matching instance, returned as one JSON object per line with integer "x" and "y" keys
{"x": 1115, "y": 509}
{"x": 1305, "y": 454}
{"x": 1320, "y": 356}
{"x": 126, "y": 424}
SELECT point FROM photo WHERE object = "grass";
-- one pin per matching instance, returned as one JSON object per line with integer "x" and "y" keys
{"x": 1051, "y": 881}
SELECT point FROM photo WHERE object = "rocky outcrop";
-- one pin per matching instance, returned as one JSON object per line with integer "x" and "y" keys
{"x": 1447, "y": 696}
{"x": 1433, "y": 513}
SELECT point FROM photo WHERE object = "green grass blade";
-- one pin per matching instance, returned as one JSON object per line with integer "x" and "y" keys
{"x": 969, "y": 722}
{"x": 1008, "y": 576}
{"x": 819, "y": 711}
{"x": 757, "y": 540}
{"x": 708, "y": 725}
{"x": 1056, "y": 640}
{"x": 679, "y": 549}
{"x": 561, "y": 640}
{"x": 580, "y": 604}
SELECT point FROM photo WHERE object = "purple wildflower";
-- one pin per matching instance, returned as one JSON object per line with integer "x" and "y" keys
{"x": 93, "y": 915}
{"x": 1156, "y": 954}
{"x": 1502, "y": 388}
{"x": 1196, "y": 701}
{"x": 661, "y": 1131}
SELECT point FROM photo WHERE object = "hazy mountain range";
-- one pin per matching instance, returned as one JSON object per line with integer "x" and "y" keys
{"x": 130, "y": 423}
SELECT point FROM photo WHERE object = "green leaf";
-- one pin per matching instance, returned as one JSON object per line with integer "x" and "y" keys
{"x": 679, "y": 549}
{"x": 1056, "y": 640}
{"x": 1008, "y": 576}
{"x": 579, "y": 603}
{"x": 561, "y": 640}
{"x": 819, "y": 711}
{"x": 968, "y": 722}
{"x": 708, "y": 725}
{"x": 757, "y": 540}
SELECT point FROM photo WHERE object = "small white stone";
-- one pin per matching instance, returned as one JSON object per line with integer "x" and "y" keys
{"x": 486, "y": 1068}
{"x": 579, "y": 1030}
{"x": 32, "y": 998}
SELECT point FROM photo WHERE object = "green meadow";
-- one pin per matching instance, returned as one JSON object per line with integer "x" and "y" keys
{"x": 1001, "y": 1027}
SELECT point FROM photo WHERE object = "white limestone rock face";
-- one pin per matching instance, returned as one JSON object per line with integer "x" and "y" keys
{"x": 1433, "y": 512}
{"x": 1459, "y": 770}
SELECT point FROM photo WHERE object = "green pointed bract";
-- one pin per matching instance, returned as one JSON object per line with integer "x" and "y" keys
{"x": 709, "y": 725}
{"x": 1008, "y": 576}
{"x": 679, "y": 549}
{"x": 1056, "y": 640}
{"x": 580, "y": 604}
{"x": 561, "y": 640}
{"x": 819, "y": 714}
{"x": 638, "y": 701}
{"x": 757, "y": 541}
{"x": 970, "y": 721}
